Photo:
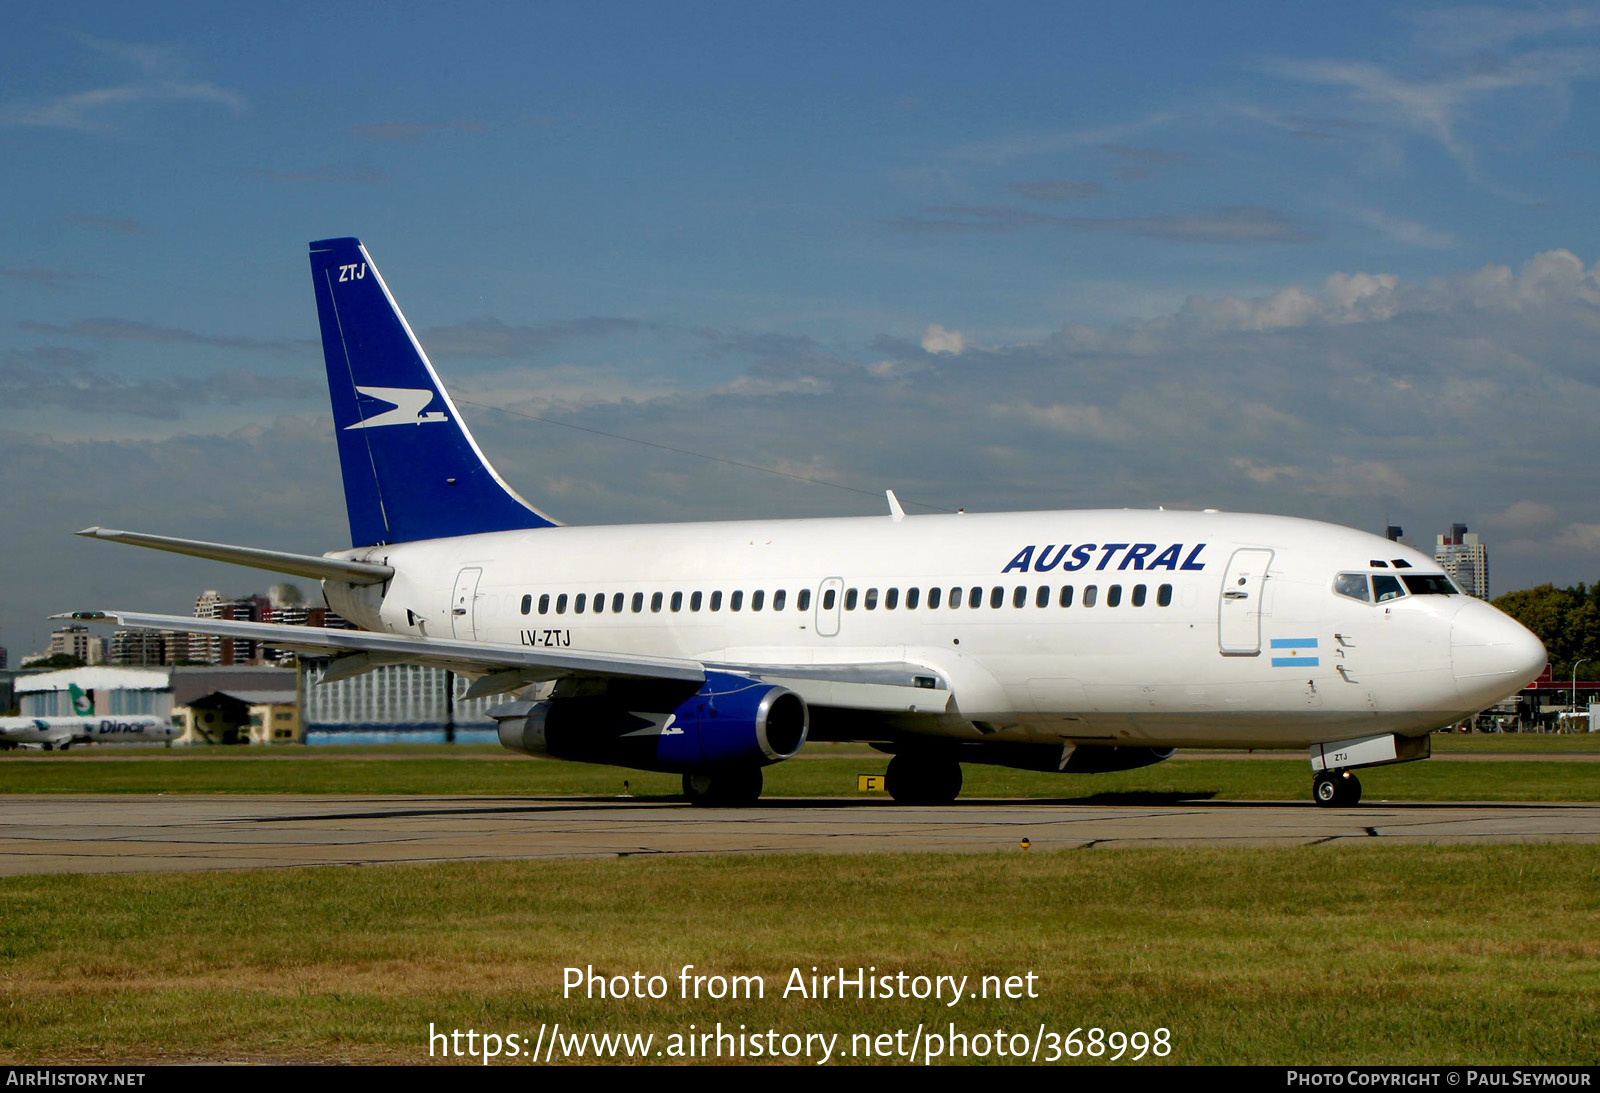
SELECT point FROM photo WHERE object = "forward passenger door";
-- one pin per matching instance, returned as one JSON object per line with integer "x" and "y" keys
{"x": 1239, "y": 611}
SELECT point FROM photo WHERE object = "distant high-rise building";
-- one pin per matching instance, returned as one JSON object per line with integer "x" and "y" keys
{"x": 245, "y": 609}
{"x": 149, "y": 648}
{"x": 1395, "y": 534}
{"x": 2, "y": 658}
{"x": 203, "y": 648}
{"x": 282, "y": 605}
{"x": 1463, "y": 555}
{"x": 76, "y": 641}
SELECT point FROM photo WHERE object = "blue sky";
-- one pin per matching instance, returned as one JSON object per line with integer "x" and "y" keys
{"x": 1336, "y": 261}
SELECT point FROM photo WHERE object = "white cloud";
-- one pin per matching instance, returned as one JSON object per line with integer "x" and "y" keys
{"x": 159, "y": 80}
{"x": 1445, "y": 99}
{"x": 936, "y": 339}
{"x": 1526, "y": 516}
{"x": 1583, "y": 537}
{"x": 1404, "y": 231}
{"x": 1062, "y": 417}
{"x": 1363, "y": 399}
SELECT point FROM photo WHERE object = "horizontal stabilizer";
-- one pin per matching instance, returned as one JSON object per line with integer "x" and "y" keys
{"x": 299, "y": 565}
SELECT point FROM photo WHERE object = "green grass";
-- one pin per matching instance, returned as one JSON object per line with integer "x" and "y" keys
{"x": 439, "y": 771}
{"x": 1306, "y": 955}
{"x": 1448, "y": 743}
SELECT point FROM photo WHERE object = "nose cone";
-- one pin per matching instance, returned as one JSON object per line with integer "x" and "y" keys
{"x": 1493, "y": 655}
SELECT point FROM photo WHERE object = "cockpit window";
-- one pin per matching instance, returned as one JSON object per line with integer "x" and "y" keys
{"x": 1353, "y": 585}
{"x": 1385, "y": 587}
{"x": 1429, "y": 584}
{"x": 1378, "y": 563}
{"x": 1400, "y": 563}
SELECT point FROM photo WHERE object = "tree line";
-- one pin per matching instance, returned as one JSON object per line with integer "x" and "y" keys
{"x": 1567, "y": 620}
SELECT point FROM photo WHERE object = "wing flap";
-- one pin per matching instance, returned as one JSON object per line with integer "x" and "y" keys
{"x": 886, "y": 687}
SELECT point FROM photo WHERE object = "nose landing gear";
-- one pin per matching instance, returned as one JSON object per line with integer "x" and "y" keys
{"x": 1334, "y": 788}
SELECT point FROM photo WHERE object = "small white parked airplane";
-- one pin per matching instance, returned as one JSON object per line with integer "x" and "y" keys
{"x": 1060, "y": 641}
{"x": 50, "y": 733}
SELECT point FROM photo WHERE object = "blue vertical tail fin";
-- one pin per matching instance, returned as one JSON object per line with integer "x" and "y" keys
{"x": 411, "y": 469}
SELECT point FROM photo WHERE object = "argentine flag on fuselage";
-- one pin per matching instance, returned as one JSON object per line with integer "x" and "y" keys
{"x": 1295, "y": 653}
{"x": 411, "y": 469}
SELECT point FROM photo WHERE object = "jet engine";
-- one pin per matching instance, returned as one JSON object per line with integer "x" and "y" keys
{"x": 731, "y": 721}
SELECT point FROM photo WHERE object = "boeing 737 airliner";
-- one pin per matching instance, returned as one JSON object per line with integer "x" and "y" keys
{"x": 1057, "y": 641}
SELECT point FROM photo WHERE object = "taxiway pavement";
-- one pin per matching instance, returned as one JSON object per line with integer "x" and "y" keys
{"x": 104, "y": 833}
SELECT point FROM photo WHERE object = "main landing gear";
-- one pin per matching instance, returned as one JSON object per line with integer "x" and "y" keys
{"x": 923, "y": 779}
{"x": 1335, "y": 788}
{"x": 734, "y": 787}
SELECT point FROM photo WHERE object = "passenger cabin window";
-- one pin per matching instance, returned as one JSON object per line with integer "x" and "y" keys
{"x": 1090, "y": 594}
{"x": 616, "y": 603}
{"x": 913, "y": 597}
{"x": 778, "y": 598}
{"x": 677, "y": 601}
{"x": 975, "y": 598}
{"x": 1429, "y": 584}
{"x": 872, "y": 599}
{"x": 935, "y": 597}
{"x": 1114, "y": 595}
{"x": 638, "y": 602}
{"x": 736, "y": 601}
{"x": 1385, "y": 587}
{"x": 544, "y": 604}
{"x": 1138, "y": 595}
{"x": 716, "y": 601}
{"x": 527, "y": 603}
{"x": 655, "y": 602}
{"x": 694, "y": 601}
{"x": 599, "y": 602}
{"x": 561, "y": 604}
{"x": 1353, "y": 585}
{"x": 850, "y": 599}
{"x": 758, "y": 598}
{"x": 828, "y": 599}
{"x": 580, "y": 603}
{"x": 1019, "y": 596}
{"x": 1164, "y": 596}
{"x": 955, "y": 598}
{"x": 891, "y": 599}
{"x": 805, "y": 599}
{"x": 1041, "y": 598}
{"x": 1065, "y": 598}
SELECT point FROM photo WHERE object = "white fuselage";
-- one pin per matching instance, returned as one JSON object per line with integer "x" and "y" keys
{"x": 66, "y": 731}
{"x": 1173, "y": 637}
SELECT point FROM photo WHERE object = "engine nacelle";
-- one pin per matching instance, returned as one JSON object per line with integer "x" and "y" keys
{"x": 731, "y": 721}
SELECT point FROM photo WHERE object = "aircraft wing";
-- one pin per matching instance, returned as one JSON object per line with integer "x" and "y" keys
{"x": 499, "y": 668}
{"x": 511, "y": 665}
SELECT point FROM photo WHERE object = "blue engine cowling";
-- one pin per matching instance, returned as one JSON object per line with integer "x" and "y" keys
{"x": 731, "y": 721}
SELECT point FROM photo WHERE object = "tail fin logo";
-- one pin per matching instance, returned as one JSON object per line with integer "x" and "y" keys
{"x": 408, "y": 406}
{"x": 82, "y": 704}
